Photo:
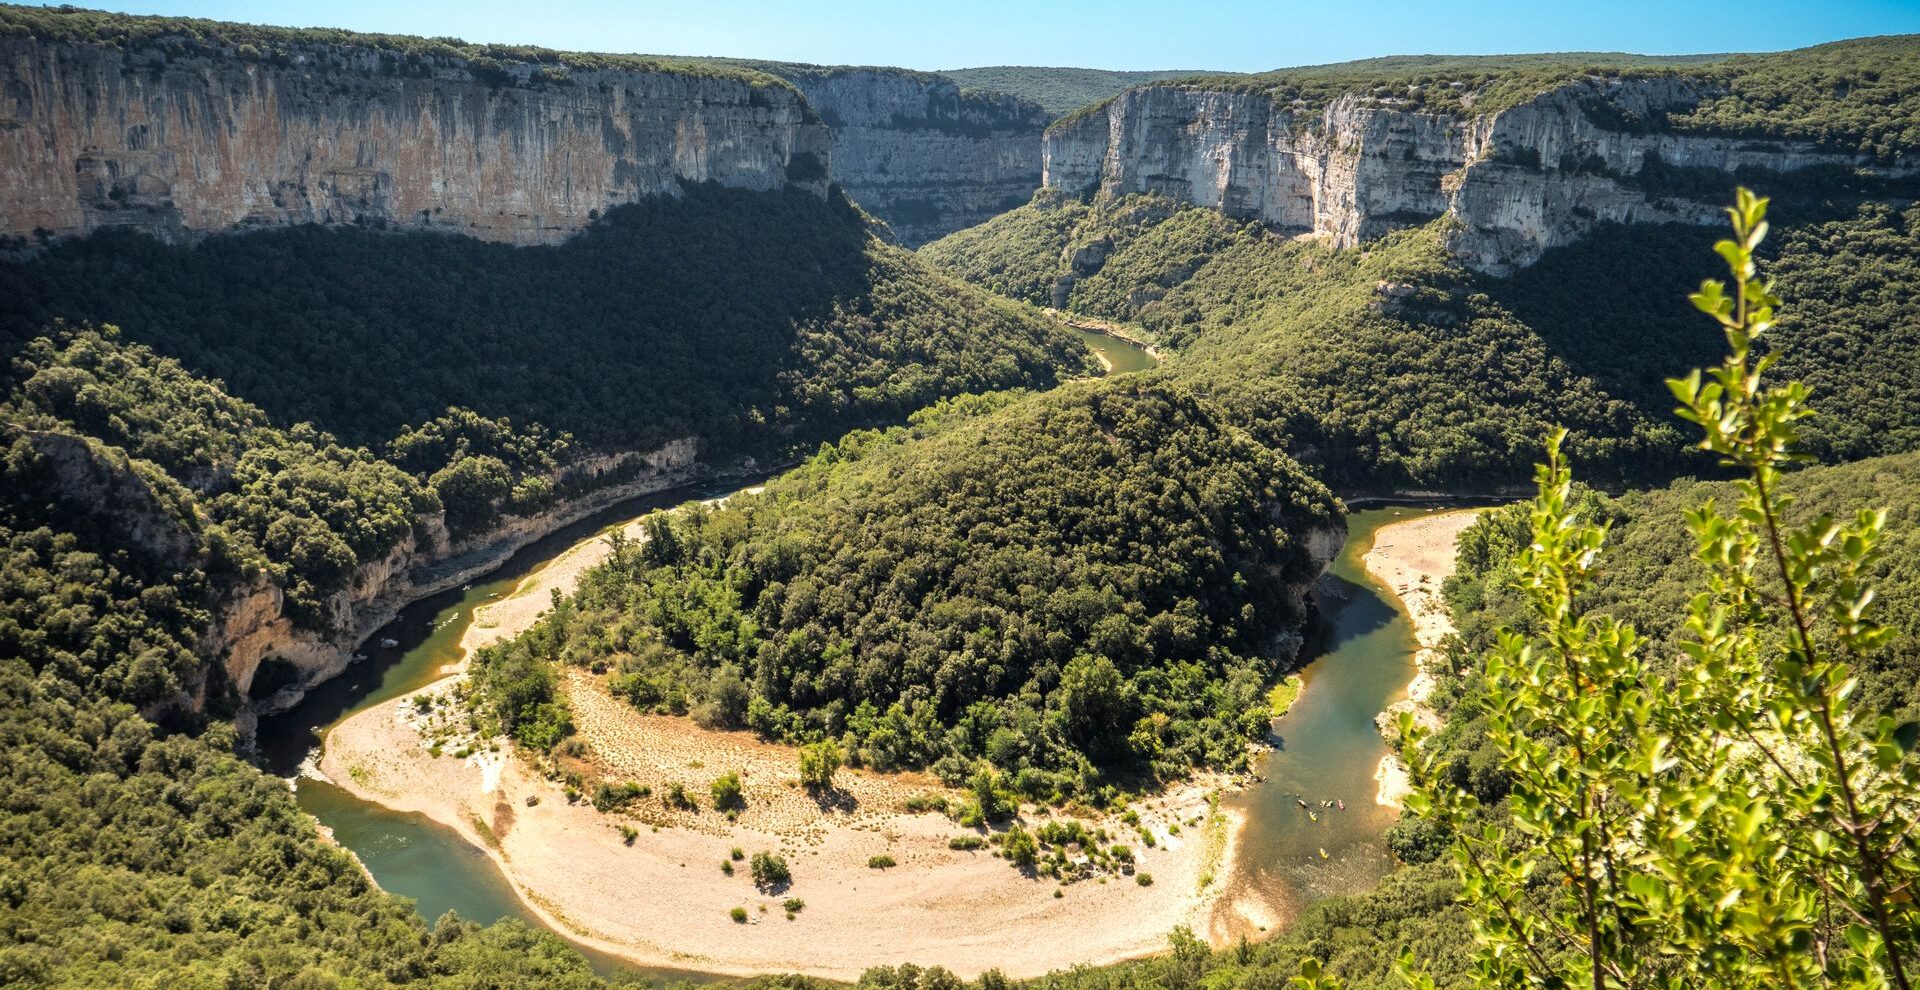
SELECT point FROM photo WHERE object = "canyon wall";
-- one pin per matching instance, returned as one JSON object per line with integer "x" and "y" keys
{"x": 179, "y": 140}
{"x": 1518, "y": 182}
{"x": 921, "y": 154}
{"x": 251, "y": 628}
{"x": 263, "y": 656}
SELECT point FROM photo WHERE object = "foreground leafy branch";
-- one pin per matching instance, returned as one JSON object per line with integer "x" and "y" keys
{"x": 1735, "y": 824}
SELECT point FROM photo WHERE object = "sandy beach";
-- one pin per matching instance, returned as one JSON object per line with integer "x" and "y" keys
{"x": 1413, "y": 557}
{"x": 659, "y": 896}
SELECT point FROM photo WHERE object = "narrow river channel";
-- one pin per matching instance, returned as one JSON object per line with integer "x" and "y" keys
{"x": 410, "y": 854}
{"x": 1360, "y": 658}
{"x": 1327, "y": 749}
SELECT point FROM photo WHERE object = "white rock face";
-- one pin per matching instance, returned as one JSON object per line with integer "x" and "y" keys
{"x": 1519, "y": 182}
{"x": 252, "y": 626}
{"x": 94, "y": 136}
{"x": 918, "y": 153}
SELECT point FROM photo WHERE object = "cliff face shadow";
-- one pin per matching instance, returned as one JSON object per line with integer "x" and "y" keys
{"x": 364, "y": 332}
{"x": 1343, "y": 609}
{"x": 1631, "y": 340}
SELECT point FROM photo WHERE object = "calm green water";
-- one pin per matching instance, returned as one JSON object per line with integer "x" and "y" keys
{"x": 1123, "y": 356}
{"x": 1326, "y": 745}
{"x": 409, "y": 854}
{"x": 1327, "y": 748}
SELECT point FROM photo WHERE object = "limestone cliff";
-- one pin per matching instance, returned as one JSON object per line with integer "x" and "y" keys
{"x": 1518, "y": 181}
{"x": 918, "y": 152}
{"x": 251, "y": 628}
{"x": 181, "y": 138}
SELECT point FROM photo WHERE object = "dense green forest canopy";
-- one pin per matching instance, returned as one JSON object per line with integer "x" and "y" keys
{"x": 1066, "y": 586}
{"x": 1441, "y": 83}
{"x": 1394, "y": 366}
{"x": 135, "y": 858}
{"x": 154, "y": 471}
{"x": 130, "y": 853}
{"x": 402, "y": 55}
{"x": 785, "y": 310}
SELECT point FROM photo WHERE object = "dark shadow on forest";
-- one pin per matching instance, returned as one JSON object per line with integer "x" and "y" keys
{"x": 362, "y": 331}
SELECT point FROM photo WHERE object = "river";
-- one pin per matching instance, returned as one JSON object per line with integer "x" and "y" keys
{"x": 1117, "y": 356}
{"x": 409, "y": 854}
{"x": 1326, "y": 746}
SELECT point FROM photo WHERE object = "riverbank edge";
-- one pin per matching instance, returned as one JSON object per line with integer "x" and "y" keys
{"x": 1206, "y": 861}
{"x": 1105, "y": 329}
{"x": 1208, "y": 864}
{"x": 484, "y": 555}
{"x": 1416, "y": 588}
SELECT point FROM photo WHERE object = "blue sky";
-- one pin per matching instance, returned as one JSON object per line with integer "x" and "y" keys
{"x": 1240, "y": 35}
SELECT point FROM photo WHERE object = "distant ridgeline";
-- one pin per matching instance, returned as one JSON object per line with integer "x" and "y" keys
{"x": 1522, "y": 153}
{"x": 1412, "y": 364}
{"x": 916, "y": 149}
{"x": 1061, "y": 90}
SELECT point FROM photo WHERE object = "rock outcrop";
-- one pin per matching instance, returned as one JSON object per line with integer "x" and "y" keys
{"x": 184, "y": 139}
{"x": 923, "y": 155}
{"x": 1518, "y": 182}
{"x": 252, "y": 629}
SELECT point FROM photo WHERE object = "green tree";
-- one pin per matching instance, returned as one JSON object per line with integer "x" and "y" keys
{"x": 726, "y": 792}
{"x": 770, "y": 872}
{"x": 1734, "y": 824}
{"x": 1019, "y": 848}
{"x": 818, "y": 763}
{"x": 1095, "y": 704}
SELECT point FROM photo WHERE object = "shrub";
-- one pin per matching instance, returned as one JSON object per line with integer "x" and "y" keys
{"x": 739, "y": 915}
{"x": 726, "y": 792}
{"x": 1019, "y": 848}
{"x": 926, "y": 802}
{"x": 966, "y": 843}
{"x": 608, "y": 797}
{"x": 726, "y": 867}
{"x": 818, "y": 763}
{"x": 1144, "y": 879}
{"x": 628, "y": 833}
{"x": 770, "y": 871}
{"x": 793, "y": 905}
{"x": 880, "y": 862}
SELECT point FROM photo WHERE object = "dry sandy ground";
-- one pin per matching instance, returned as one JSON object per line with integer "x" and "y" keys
{"x": 1413, "y": 556}
{"x": 664, "y": 900}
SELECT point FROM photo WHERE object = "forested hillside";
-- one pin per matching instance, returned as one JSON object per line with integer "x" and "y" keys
{"x": 143, "y": 496}
{"x": 137, "y": 495}
{"x": 1082, "y": 587}
{"x": 1393, "y": 366}
{"x": 790, "y": 315}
